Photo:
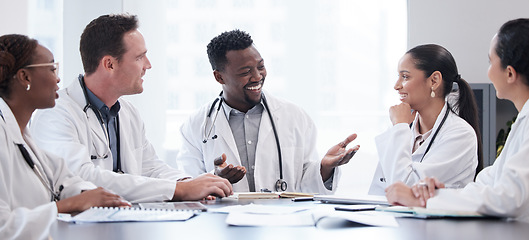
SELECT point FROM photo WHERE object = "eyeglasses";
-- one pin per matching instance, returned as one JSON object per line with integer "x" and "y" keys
{"x": 54, "y": 64}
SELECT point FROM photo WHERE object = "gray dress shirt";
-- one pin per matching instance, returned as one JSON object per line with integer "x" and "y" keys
{"x": 245, "y": 129}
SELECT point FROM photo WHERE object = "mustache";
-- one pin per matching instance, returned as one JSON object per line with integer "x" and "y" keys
{"x": 250, "y": 84}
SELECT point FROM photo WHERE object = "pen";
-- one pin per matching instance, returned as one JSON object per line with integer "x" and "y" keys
{"x": 301, "y": 199}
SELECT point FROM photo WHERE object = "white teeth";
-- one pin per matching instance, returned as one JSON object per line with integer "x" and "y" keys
{"x": 254, "y": 88}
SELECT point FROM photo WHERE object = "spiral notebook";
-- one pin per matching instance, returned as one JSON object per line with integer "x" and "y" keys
{"x": 105, "y": 214}
{"x": 177, "y": 206}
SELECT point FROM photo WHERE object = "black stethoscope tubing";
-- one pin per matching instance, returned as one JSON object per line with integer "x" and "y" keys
{"x": 55, "y": 196}
{"x": 281, "y": 184}
{"x": 448, "y": 109}
{"x": 102, "y": 122}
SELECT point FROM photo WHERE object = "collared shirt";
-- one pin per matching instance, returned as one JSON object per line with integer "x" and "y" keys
{"x": 419, "y": 138}
{"x": 109, "y": 119}
{"x": 245, "y": 129}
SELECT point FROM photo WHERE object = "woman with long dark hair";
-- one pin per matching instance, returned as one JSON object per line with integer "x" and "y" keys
{"x": 503, "y": 188}
{"x": 430, "y": 136}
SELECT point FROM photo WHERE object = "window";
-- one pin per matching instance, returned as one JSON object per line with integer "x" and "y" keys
{"x": 335, "y": 59}
{"x": 45, "y": 25}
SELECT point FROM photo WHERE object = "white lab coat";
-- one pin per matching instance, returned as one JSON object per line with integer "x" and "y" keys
{"x": 65, "y": 130}
{"x": 501, "y": 189}
{"x": 452, "y": 158}
{"x": 26, "y": 210}
{"x": 297, "y": 136}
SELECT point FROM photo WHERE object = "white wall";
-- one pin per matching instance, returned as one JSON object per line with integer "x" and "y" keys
{"x": 14, "y": 18}
{"x": 464, "y": 27}
{"x": 77, "y": 14}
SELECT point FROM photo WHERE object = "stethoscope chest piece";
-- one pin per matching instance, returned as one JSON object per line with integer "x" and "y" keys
{"x": 281, "y": 185}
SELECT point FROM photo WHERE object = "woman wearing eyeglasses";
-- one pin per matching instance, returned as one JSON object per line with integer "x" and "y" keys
{"x": 34, "y": 186}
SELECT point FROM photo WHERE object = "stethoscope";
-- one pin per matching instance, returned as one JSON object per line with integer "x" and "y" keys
{"x": 102, "y": 123}
{"x": 281, "y": 184}
{"x": 55, "y": 195}
{"x": 448, "y": 109}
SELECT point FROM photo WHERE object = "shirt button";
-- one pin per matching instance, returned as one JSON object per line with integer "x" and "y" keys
{"x": 250, "y": 142}
{"x": 253, "y": 167}
{"x": 247, "y": 116}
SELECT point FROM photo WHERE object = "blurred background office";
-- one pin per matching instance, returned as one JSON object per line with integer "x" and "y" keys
{"x": 336, "y": 59}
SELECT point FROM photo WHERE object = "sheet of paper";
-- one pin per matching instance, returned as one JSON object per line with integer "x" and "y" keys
{"x": 264, "y": 216}
{"x": 260, "y": 209}
{"x": 370, "y": 218}
{"x": 250, "y": 219}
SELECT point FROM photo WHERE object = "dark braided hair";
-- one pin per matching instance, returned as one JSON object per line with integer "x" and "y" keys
{"x": 16, "y": 51}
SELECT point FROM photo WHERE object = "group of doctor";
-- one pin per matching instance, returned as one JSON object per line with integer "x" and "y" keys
{"x": 91, "y": 137}
{"x": 244, "y": 140}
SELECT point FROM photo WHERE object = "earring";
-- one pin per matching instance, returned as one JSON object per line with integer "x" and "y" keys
{"x": 433, "y": 93}
{"x": 29, "y": 87}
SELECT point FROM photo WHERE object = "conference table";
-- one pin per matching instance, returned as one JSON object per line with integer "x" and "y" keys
{"x": 210, "y": 225}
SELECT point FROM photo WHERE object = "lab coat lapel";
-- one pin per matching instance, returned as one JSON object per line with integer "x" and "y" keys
{"x": 267, "y": 159}
{"x": 417, "y": 156}
{"x": 265, "y": 128}
{"x": 76, "y": 93}
{"x": 11, "y": 122}
{"x": 95, "y": 126}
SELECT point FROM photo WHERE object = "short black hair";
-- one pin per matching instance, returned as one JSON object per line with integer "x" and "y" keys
{"x": 512, "y": 46}
{"x": 104, "y": 36}
{"x": 226, "y": 41}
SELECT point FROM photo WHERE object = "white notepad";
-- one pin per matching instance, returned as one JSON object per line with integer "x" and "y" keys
{"x": 104, "y": 214}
